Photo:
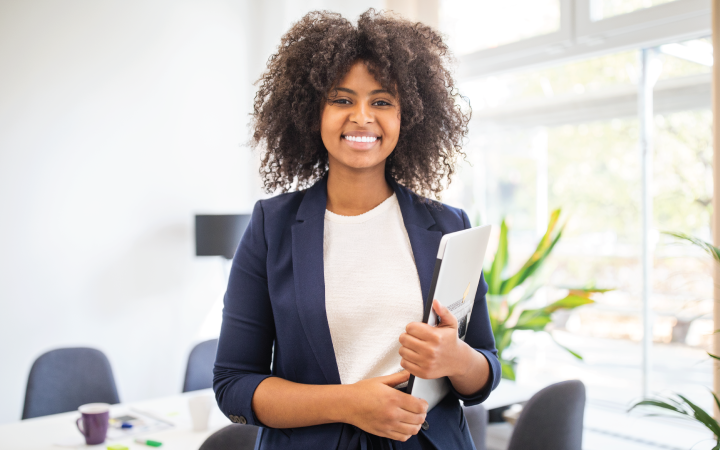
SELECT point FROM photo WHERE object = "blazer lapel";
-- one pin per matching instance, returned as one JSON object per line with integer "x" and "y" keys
{"x": 424, "y": 242}
{"x": 308, "y": 268}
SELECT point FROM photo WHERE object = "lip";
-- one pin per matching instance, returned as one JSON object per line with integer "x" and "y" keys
{"x": 361, "y": 145}
{"x": 361, "y": 133}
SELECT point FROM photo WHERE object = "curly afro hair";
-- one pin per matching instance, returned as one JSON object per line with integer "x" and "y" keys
{"x": 409, "y": 59}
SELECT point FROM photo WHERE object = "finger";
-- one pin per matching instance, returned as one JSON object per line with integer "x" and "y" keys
{"x": 413, "y": 405}
{"x": 447, "y": 319}
{"x": 405, "y": 428}
{"x": 395, "y": 436}
{"x": 395, "y": 379}
{"x": 410, "y": 355}
{"x": 413, "y": 368}
{"x": 411, "y": 418}
{"x": 416, "y": 345}
{"x": 421, "y": 331}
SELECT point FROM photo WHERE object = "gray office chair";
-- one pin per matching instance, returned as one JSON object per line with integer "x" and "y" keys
{"x": 235, "y": 437}
{"x": 552, "y": 419}
{"x": 199, "y": 373}
{"x": 477, "y": 421}
{"x": 61, "y": 380}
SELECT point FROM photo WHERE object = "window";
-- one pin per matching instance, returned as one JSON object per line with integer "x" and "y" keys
{"x": 478, "y": 25}
{"x": 567, "y": 136}
{"x": 563, "y": 30}
{"x": 603, "y": 9}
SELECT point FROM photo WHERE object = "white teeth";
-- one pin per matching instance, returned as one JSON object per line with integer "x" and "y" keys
{"x": 361, "y": 138}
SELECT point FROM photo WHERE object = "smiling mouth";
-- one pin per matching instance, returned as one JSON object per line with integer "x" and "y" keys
{"x": 363, "y": 139}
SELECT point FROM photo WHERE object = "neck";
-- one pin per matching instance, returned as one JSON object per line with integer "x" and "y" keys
{"x": 351, "y": 193}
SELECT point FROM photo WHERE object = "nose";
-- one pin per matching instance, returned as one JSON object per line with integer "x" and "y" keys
{"x": 362, "y": 114}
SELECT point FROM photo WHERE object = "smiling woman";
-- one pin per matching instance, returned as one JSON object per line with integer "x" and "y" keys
{"x": 360, "y": 127}
{"x": 322, "y": 319}
{"x": 408, "y": 61}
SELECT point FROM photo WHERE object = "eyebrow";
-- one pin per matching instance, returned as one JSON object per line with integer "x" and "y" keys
{"x": 376, "y": 91}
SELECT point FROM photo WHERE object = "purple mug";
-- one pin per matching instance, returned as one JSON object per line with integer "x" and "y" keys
{"x": 95, "y": 419}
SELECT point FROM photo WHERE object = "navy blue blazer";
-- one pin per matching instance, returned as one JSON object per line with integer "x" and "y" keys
{"x": 276, "y": 295}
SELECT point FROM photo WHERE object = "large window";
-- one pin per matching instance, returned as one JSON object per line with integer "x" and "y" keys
{"x": 567, "y": 137}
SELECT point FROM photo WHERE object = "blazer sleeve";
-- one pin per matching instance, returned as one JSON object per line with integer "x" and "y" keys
{"x": 244, "y": 351}
{"x": 480, "y": 337}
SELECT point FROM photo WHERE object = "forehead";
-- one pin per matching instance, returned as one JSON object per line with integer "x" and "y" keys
{"x": 359, "y": 78}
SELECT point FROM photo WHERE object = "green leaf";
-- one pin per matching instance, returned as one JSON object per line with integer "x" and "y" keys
{"x": 717, "y": 402}
{"x": 569, "y": 302}
{"x": 503, "y": 340}
{"x": 703, "y": 417}
{"x": 585, "y": 292}
{"x": 547, "y": 243}
{"x": 494, "y": 276}
{"x": 507, "y": 370}
{"x": 706, "y": 246}
{"x": 533, "y": 319}
{"x": 713, "y": 356}
{"x": 659, "y": 404}
{"x": 577, "y": 355}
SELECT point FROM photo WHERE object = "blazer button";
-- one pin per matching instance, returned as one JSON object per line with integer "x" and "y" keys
{"x": 241, "y": 420}
{"x": 425, "y": 426}
{"x": 232, "y": 418}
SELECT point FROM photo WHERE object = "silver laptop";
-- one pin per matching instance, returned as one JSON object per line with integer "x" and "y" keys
{"x": 454, "y": 284}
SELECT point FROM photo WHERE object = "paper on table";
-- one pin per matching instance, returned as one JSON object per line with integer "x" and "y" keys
{"x": 148, "y": 424}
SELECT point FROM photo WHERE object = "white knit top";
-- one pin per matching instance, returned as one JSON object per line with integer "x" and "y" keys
{"x": 372, "y": 289}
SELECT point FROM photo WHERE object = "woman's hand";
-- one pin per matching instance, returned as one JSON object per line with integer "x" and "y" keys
{"x": 378, "y": 408}
{"x": 434, "y": 352}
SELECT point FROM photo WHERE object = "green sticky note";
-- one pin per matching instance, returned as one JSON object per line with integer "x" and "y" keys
{"x": 117, "y": 447}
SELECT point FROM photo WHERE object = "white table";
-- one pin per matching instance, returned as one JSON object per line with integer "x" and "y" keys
{"x": 43, "y": 433}
{"x": 508, "y": 393}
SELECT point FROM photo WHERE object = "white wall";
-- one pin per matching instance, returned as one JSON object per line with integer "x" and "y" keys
{"x": 119, "y": 120}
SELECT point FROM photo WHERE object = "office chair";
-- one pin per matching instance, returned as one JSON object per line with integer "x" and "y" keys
{"x": 63, "y": 379}
{"x": 552, "y": 419}
{"x": 199, "y": 373}
{"x": 235, "y": 436}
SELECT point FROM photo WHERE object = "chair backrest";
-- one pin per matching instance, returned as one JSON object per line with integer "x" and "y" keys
{"x": 552, "y": 419}
{"x": 63, "y": 379}
{"x": 199, "y": 373}
{"x": 235, "y": 437}
{"x": 477, "y": 422}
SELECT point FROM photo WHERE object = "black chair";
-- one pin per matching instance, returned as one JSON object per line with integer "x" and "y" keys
{"x": 235, "y": 437}
{"x": 61, "y": 380}
{"x": 477, "y": 422}
{"x": 199, "y": 373}
{"x": 552, "y": 419}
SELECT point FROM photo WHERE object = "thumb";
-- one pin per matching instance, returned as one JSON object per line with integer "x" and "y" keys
{"x": 447, "y": 319}
{"x": 395, "y": 379}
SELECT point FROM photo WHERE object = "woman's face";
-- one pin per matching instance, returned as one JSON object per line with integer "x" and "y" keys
{"x": 360, "y": 122}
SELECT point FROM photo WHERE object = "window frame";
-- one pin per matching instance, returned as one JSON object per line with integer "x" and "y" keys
{"x": 579, "y": 37}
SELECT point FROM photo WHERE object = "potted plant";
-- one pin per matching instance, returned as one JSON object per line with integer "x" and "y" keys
{"x": 508, "y": 316}
{"x": 682, "y": 407}
{"x": 677, "y": 404}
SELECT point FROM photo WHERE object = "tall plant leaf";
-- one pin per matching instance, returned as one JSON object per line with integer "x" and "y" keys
{"x": 706, "y": 246}
{"x": 507, "y": 371}
{"x": 569, "y": 302}
{"x": 577, "y": 355}
{"x": 703, "y": 417}
{"x": 494, "y": 276}
{"x": 532, "y": 319}
{"x": 543, "y": 249}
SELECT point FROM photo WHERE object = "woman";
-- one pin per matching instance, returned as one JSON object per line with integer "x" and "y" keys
{"x": 323, "y": 310}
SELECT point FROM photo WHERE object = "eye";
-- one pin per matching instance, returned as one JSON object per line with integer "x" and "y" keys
{"x": 340, "y": 101}
{"x": 381, "y": 103}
